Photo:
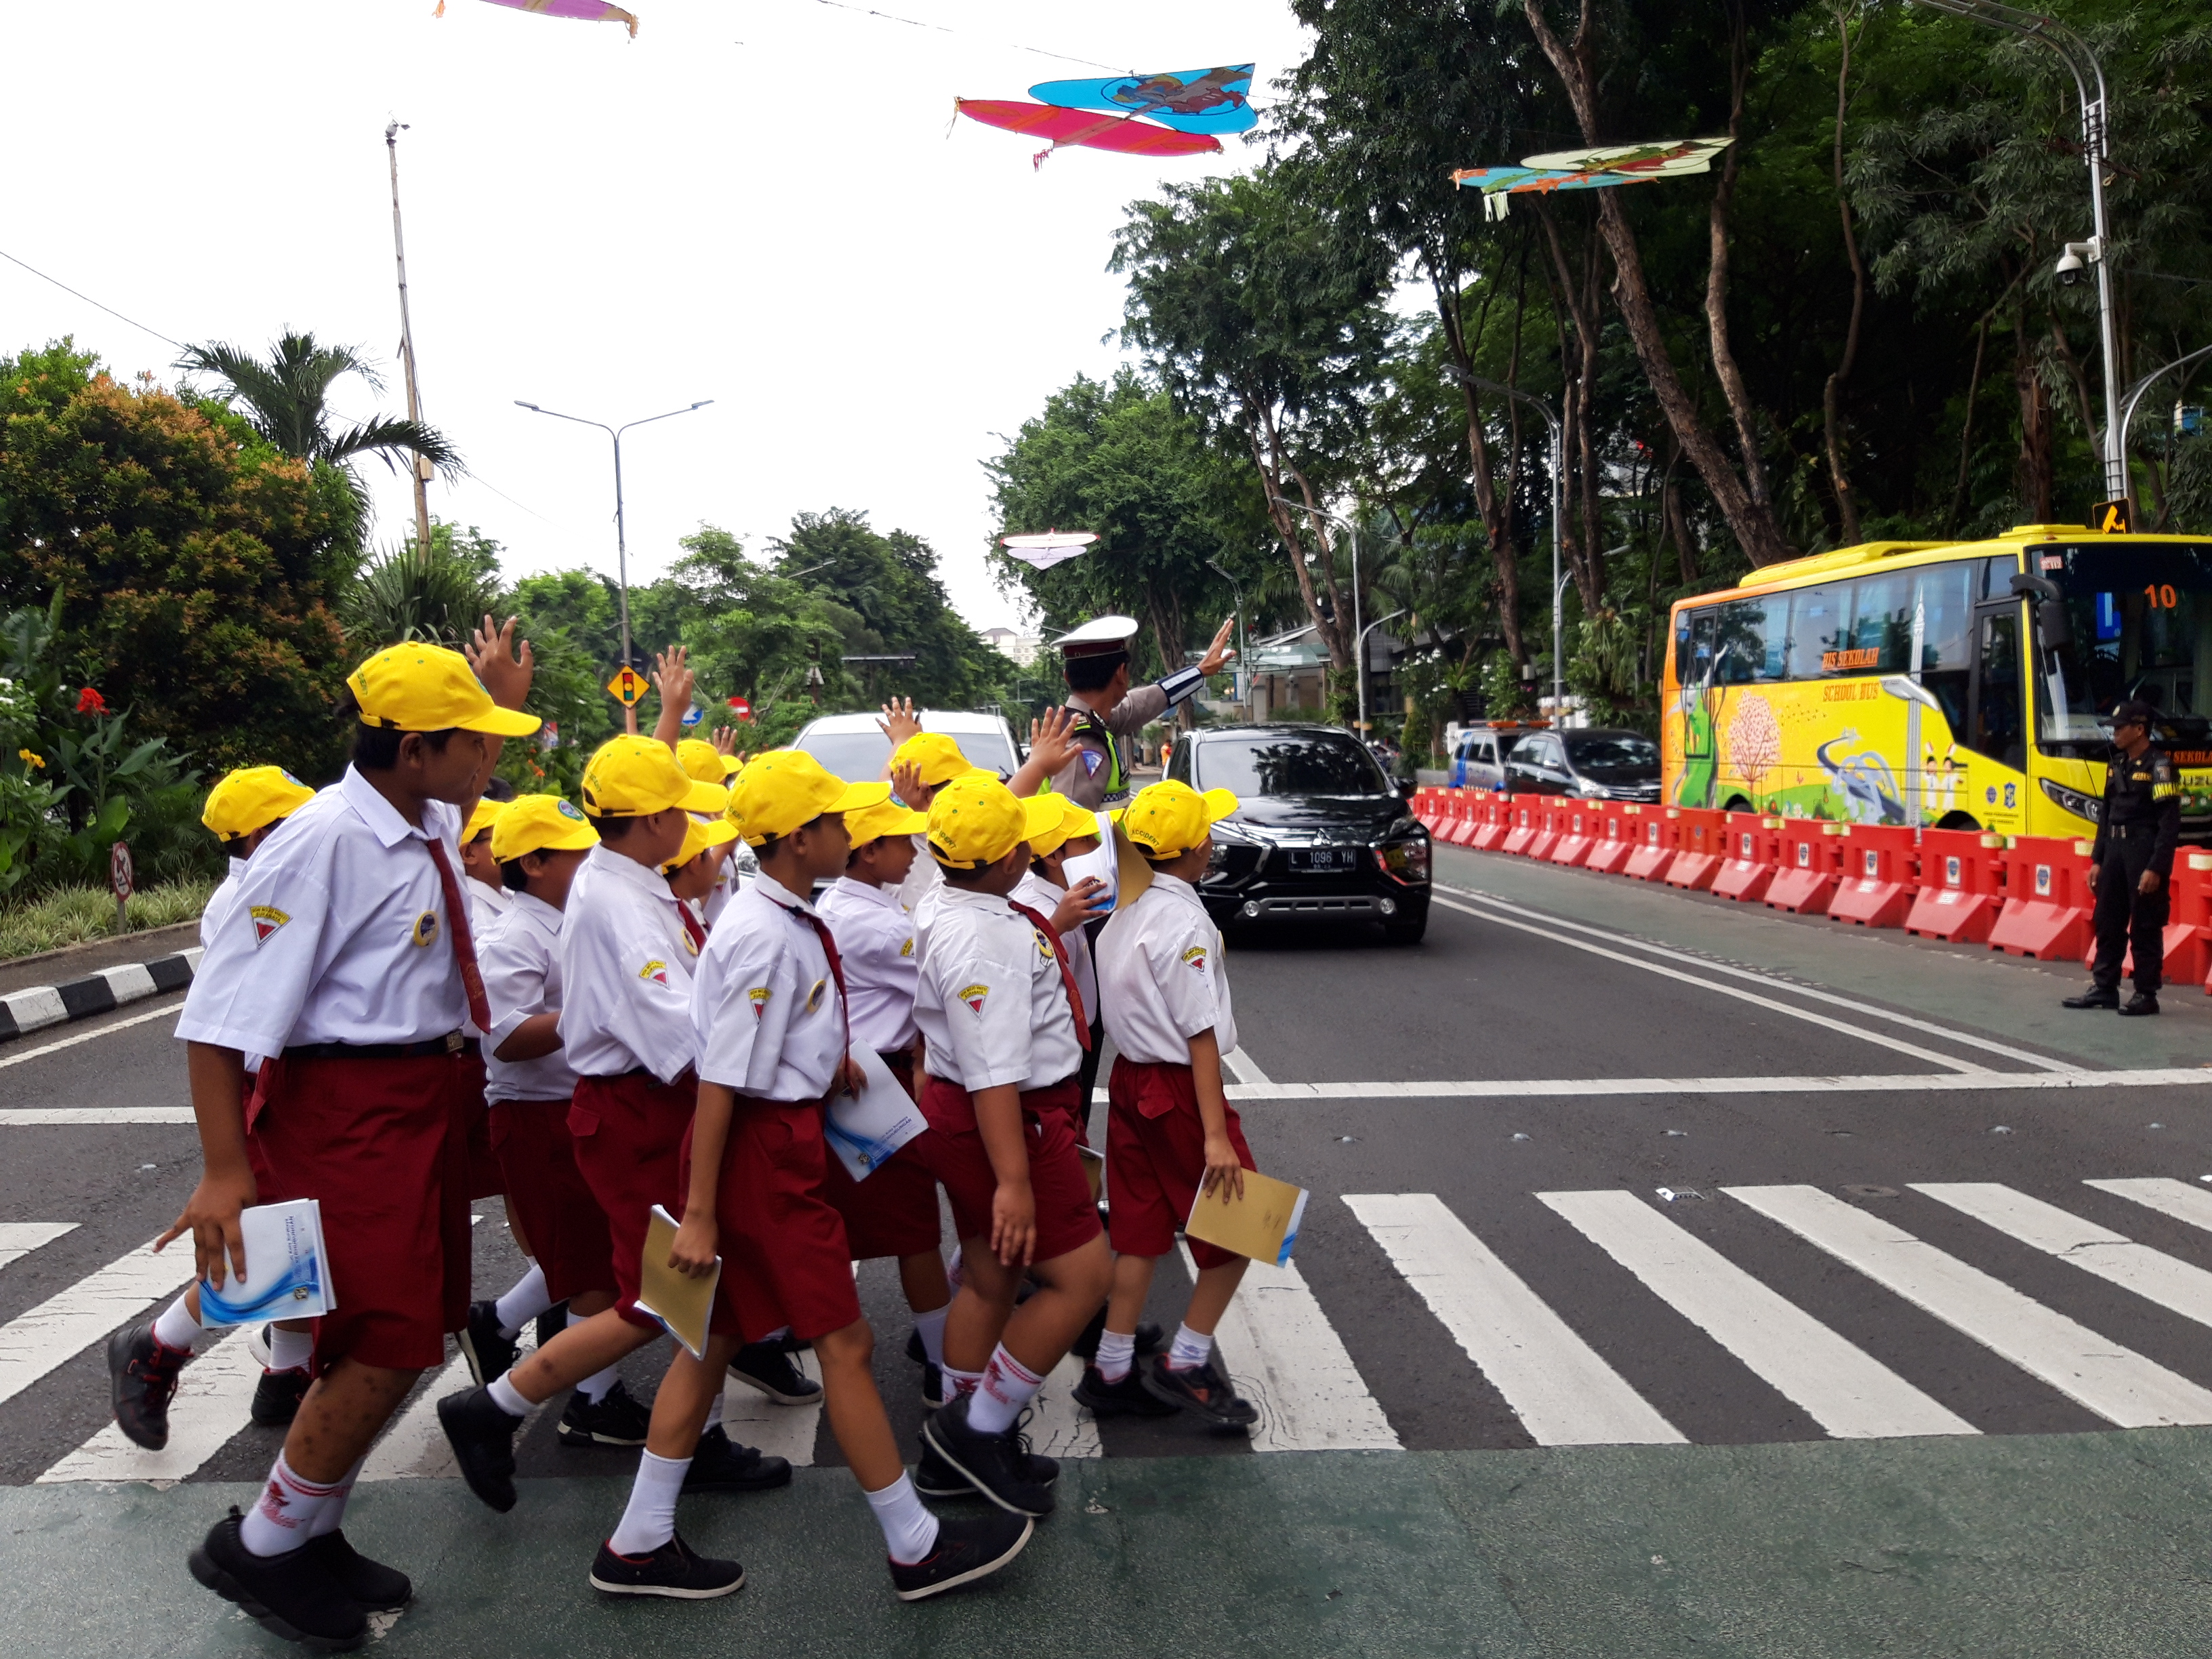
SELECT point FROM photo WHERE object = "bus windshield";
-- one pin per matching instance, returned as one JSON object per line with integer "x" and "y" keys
{"x": 2142, "y": 620}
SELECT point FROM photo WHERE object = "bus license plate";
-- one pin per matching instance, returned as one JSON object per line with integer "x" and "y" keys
{"x": 1322, "y": 858}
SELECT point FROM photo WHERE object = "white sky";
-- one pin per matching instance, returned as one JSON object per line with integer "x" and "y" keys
{"x": 756, "y": 204}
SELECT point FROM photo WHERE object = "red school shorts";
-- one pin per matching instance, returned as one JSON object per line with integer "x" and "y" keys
{"x": 1155, "y": 1156}
{"x": 487, "y": 1178}
{"x": 628, "y": 1134}
{"x": 952, "y": 1151}
{"x": 549, "y": 1197}
{"x": 894, "y": 1211}
{"x": 784, "y": 1257}
{"x": 382, "y": 1144}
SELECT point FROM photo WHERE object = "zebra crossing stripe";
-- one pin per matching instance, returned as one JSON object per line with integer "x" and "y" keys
{"x": 754, "y": 1419}
{"x": 67, "y": 1323}
{"x": 1562, "y": 1393}
{"x": 18, "y": 1238}
{"x": 2117, "y": 1384}
{"x": 2169, "y": 1197}
{"x": 413, "y": 1446}
{"x": 1844, "y": 1389}
{"x": 1058, "y": 1424}
{"x": 2174, "y": 1285}
{"x": 213, "y": 1394}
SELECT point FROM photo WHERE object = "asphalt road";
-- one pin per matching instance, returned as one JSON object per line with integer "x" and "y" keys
{"x": 1568, "y": 1162}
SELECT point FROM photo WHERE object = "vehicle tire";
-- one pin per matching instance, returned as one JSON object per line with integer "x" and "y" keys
{"x": 1958, "y": 821}
{"x": 1408, "y": 932}
{"x": 1736, "y": 804}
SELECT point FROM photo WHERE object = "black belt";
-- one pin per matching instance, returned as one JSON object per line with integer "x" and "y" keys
{"x": 2124, "y": 831}
{"x": 452, "y": 1044}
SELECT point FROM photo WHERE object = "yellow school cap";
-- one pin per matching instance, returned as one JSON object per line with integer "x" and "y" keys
{"x": 702, "y": 833}
{"x": 539, "y": 823}
{"x": 1074, "y": 820}
{"x": 253, "y": 798}
{"x": 886, "y": 817}
{"x": 427, "y": 688}
{"x": 485, "y": 816}
{"x": 1168, "y": 818}
{"x": 785, "y": 788}
{"x": 632, "y": 776}
{"x": 976, "y": 820}
{"x": 937, "y": 755}
{"x": 706, "y": 763}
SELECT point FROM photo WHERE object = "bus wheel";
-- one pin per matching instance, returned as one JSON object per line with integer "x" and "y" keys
{"x": 1736, "y": 804}
{"x": 1958, "y": 821}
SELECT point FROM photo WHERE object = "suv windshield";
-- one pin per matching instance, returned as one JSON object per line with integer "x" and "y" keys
{"x": 1306, "y": 763}
{"x": 1604, "y": 754}
{"x": 2142, "y": 617}
{"x": 859, "y": 756}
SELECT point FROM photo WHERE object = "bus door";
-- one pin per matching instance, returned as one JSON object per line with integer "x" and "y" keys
{"x": 1693, "y": 668}
{"x": 1996, "y": 724}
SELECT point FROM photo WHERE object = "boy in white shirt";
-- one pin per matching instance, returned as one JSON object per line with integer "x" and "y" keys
{"x": 489, "y": 899}
{"x": 1045, "y": 888}
{"x": 243, "y": 810}
{"x": 1171, "y": 1132}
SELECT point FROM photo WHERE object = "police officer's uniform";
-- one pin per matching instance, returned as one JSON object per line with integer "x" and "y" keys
{"x": 1098, "y": 777}
{"x": 2137, "y": 831}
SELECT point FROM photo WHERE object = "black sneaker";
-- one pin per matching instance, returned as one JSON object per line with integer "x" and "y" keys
{"x": 721, "y": 1464}
{"x": 1085, "y": 1347}
{"x": 613, "y": 1419}
{"x": 293, "y": 1595}
{"x": 1202, "y": 1391}
{"x": 935, "y": 1392}
{"x": 767, "y": 1366}
{"x": 372, "y": 1586}
{"x": 277, "y": 1396}
{"x": 2142, "y": 1002}
{"x": 968, "y": 1549}
{"x": 673, "y": 1570}
{"x": 483, "y": 1439}
{"x": 489, "y": 1351}
{"x": 935, "y": 1478}
{"x": 141, "y": 1375}
{"x": 552, "y": 1322}
{"x": 2096, "y": 997}
{"x": 1127, "y": 1398}
{"x": 996, "y": 1465}
{"x": 914, "y": 1349}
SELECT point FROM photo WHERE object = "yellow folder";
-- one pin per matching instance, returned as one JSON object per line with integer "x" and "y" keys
{"x": 681, "y": 1305}
{"x": 1262, "y": 1225}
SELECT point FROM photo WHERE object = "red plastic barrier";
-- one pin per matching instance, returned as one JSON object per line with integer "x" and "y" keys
{"x": 1525, "y": 823}
{"x": 1961, "y": 885}
{"x": 1699, "y": 859}
{"x": 1749, "y": 843}
{"x": 1551, "y": 822}
{"x": 1809, "y": 874}
{"x": 1657, "y": 838}
{"x": 1423, "y": 808}
{"x": 1578, "y": 834}
{"x": 1460, "y": 824}
{"x": 2047, "y": 900}
{"x": 1493, "y": 822}
{"x": 1880, "y": 874}
{"x": 1616, "y": 841}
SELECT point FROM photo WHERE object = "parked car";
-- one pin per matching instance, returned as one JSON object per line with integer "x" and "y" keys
{"x": 853, "y": 746}
{"x": 1479, "y": 757}
{"x": 1320, "y": 833}
{"x": 1594, "y": 762}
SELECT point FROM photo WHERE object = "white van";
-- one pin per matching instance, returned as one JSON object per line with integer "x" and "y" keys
{"x": 853, "y": 746}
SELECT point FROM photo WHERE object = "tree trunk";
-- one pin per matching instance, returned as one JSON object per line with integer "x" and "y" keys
{"x": 2035, "y": 463}
{"x": 1268, "y": 455}
{"x": 1966, "y": 427}
{"x": 1847, "y": 506}
{"x": 1581, "y": 551}
{"x": 1678, "y": 522}
{"x": 1726, "y": 369}
{"x": 1497, "y": 522}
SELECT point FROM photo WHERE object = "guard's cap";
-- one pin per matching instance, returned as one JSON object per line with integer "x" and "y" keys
{"x": 1167, "y": 819}
{"x": 253, "y": 798}
{"x": 702, "y": 833}
{"x": 1102, "y": 636}
{"x": 1074, "y": 820}
{"x": 427, "y": 688}
{"x": 976, "y": 820}
{"x": 706, "y": 763}
{"x": 886, "y": 817}
{"x": 785, "y": 788}
{"x": 540, "y": 824}
{"x": 486, "y": 815}
{"x": 2134, "y": 711}
{"x": 937, "y": 755}
{"x": 632, "y": 776}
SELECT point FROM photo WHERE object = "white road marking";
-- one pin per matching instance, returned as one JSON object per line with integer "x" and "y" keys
{"x": 1845, "y": 1390}
{"x": 2169, "y": 1197}
{"x": 1241, "y": 1064}
{"x": 18, "y": 1238}
{"x": 1975, "y": 1082}
{"x": 67, "y": 1323}
{"x": 754, "y": 1419}
{"x": 2176, "y": 1286}
{"x": 1564, "y": 1394}
{"x": 1702, "y": 983}
{"x": 87, "y": 1037}
{"x": 1284, "y": 1356}
{"x": 2117, "y": 1384}
{"x": 213, "y": 1394}
{"x": 1964, "y": 1039}
{"x": 51, "y": 1117}
{"x": 1058, "y": 1424}
{"x": 413, "y": 1446}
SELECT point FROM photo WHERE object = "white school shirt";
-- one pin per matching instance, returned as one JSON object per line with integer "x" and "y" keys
{"x": 883, "y": 964}
{"x": 521, "y": 965}
{"x": 219, "y": 903}
{"x": 625, "y": 972}
{"x": 924, "y": 876}
{"x": 338, "y": 932}
{"x": 1161, "y": 975}
{"x": 1041, "y": 896}
{"x": 487, "y": 905}
{"x": 992, "y": 1004}
{"x": 765, "y": 1010}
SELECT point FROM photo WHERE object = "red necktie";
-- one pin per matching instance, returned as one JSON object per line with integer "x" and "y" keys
{"x": 836, "y": 967}
{"x": 1067, "y": 973}
{"x": 464, "y": 948}
{"x": 691, "y": 926}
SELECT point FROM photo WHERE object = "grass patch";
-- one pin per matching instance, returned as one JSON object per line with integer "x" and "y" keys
{"x": 76, "y": 915}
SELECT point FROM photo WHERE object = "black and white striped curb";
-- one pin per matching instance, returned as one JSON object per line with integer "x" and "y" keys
{"x": 100, "y": 993}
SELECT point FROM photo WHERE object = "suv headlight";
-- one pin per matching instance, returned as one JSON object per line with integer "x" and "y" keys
{"x": 1406, "y": 860}
{"x": 2074, "y": 801}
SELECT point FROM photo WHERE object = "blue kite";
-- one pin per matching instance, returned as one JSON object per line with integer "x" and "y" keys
{"x": 1186, "y": 101}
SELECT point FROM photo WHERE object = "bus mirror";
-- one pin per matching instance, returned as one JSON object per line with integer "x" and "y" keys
{"x": 2052, "y": 622}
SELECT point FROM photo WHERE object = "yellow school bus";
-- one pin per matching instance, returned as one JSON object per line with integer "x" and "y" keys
{"x": 1952, "y": 684}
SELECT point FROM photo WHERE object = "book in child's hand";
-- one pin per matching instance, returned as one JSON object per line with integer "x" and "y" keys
{"x": 681, "y": 1305}
{"x": 286, "y": 1273}
{"x": 1094, "y": 1169}
{"x": 866, "y": 1128}
{"x": 1104, "y": 866}
{"x": 1262, "y": 1225}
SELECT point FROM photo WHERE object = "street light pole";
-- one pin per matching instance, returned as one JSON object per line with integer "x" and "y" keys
{"x": 1558, "y": 520}
{"x": 1363, "y": 633}
{"x": 1243, "y": 657}
{"x": 1359, "y": 667}
{"x": 421, "y": 466}
{"x": 2135, "y": 391}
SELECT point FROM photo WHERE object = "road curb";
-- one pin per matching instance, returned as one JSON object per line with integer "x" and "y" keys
{"x": 101, "y": 992}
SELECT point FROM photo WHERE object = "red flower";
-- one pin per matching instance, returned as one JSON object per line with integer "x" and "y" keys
{"x": 89, "y": 701}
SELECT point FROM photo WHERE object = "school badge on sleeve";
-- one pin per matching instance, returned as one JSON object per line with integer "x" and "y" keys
{"x": 758, "y": 997}
{"x": 267, "y": 919}
{"x": 1195, "y": 957}
{"x": 655, "y": 972}
{"x": 973, "y": 995}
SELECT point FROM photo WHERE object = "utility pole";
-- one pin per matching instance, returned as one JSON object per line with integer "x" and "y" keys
{"x": 407, "y": 347}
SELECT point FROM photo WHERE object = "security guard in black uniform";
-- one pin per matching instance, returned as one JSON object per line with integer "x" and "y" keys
{"x": 2131, "y": 865}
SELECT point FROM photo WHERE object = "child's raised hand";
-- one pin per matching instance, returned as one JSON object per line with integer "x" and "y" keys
{"x": 504, "y": 668}
{"x": 673, "y": 678}
{"x": 899, "y": 722}
{"x": 906, "y": 784}
{"x": 1051, "y": 740}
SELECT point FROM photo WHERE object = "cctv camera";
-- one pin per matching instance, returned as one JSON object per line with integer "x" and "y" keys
{"x": 2072, "y": 266}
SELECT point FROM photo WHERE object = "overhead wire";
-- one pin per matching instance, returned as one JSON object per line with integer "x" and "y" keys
{"x": 89, "y": 300}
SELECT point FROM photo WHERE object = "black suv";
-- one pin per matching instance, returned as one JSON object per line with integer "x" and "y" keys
{"x": 1594, "y": 763}
{"x": 1319, "y": 833}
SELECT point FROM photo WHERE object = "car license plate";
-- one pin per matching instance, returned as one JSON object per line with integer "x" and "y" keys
{"x": 1323, "y": 858}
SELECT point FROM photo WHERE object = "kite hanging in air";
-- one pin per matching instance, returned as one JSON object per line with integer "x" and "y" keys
{"x": 589, "y": 11}
{"x": 1169, "y": 113}
{"x": 1589, "y": 169}
{"x": 1049, "y": 548}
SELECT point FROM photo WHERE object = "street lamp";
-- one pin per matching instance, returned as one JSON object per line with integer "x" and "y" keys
{"x": 2075, "y": 52}
{"x": 1558, "y": 518}
{"x": 2135, "y": 391}
{"x": 1363, "y": 633}
{"x": 1360, "y": 668}
{"x": 1243, "y": 657}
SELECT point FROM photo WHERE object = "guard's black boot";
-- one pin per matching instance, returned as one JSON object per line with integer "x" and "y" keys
{"x": 2142, "y": 1002}
{"x": 2096, "y": 997}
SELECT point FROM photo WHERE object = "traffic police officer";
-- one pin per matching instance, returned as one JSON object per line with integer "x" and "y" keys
{"x": 2132, "y": 864}
{"x": 1108, "y": 713}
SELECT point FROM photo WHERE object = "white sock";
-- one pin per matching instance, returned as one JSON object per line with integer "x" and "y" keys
{"x": 650, "y": 1520}
{"x": 522, "y": 1302}
{"x": 333, "y": 1514}
{"x": 1190, "y": 1349}
{"x": 290, "y": 1350}
{"x": 177, "y": 1328}
{"x": 960, "y": 1382}
{"x": 909, "y": 1530}
{"x": 930, "y": 1327}
{"x": 593, "y": 1387}
{"x": 505, "y": 1395}
{"x": 952, "y": 1274}
{"x": 714, "y": 1415}
{"x": 284, "y": 1517}
{"x": 1116, "y": 1353}
{"x": 1008, "y": 1385}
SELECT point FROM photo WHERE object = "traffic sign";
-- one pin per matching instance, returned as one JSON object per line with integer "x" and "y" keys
{"x": 741, "y": 708}
{"x": 120, "y": 878}
{"x": 627, "y": 687}
{"x": 2109, "y": 518}
{"x": 694, "y": 714}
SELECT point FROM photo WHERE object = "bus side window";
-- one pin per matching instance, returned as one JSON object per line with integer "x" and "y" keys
{"x": 1945, "y": 596}
{"x": 1819, "y": 624}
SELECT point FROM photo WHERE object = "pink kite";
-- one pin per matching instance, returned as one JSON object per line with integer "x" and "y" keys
{"x": 1118, "y": 133}
{"x": 589, "y": 11}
